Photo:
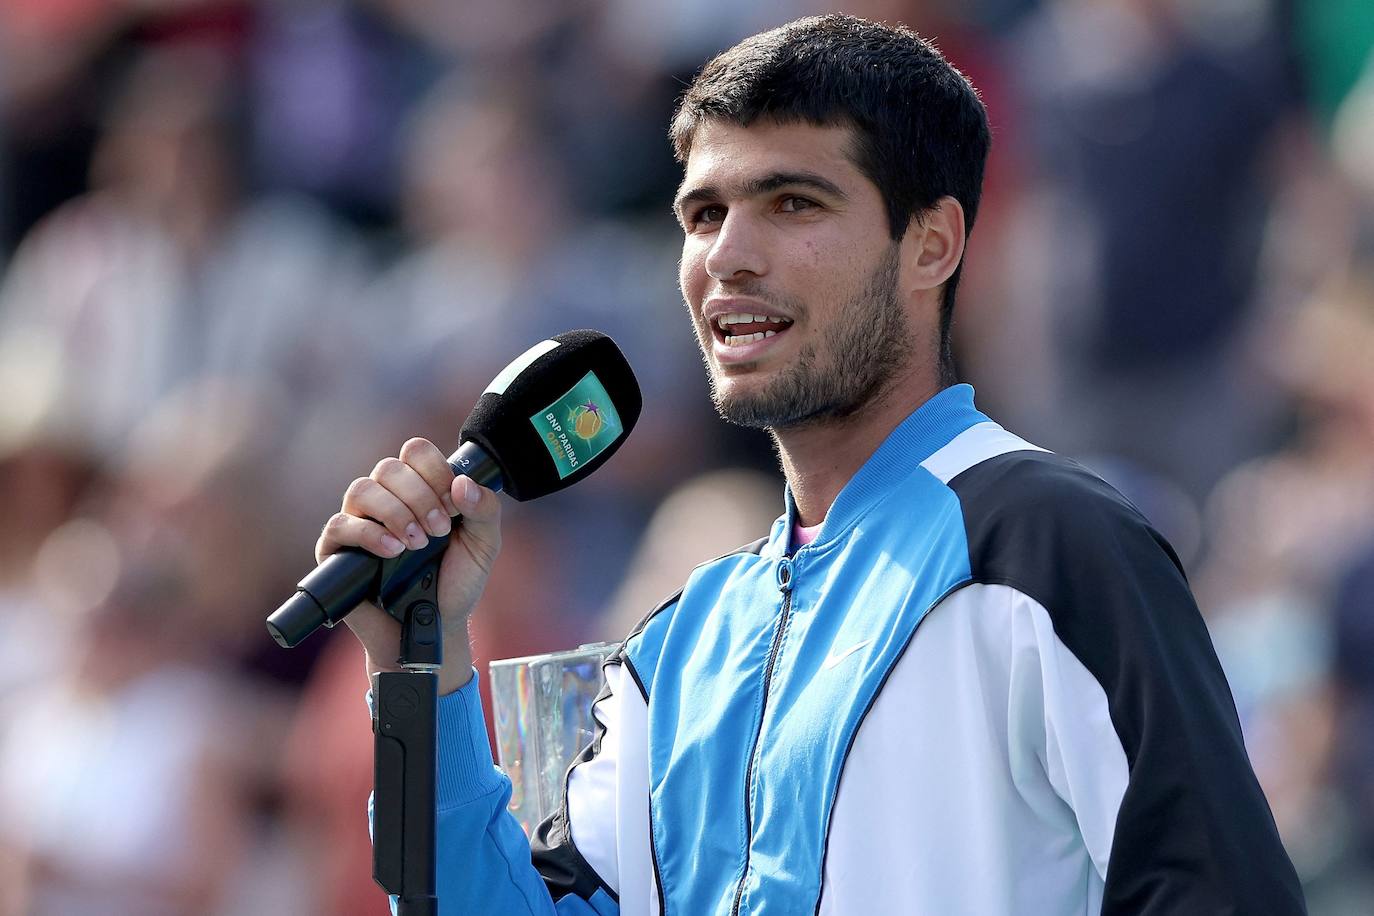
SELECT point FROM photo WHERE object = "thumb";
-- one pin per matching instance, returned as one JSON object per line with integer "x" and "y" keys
{"x": 480, "y": 528}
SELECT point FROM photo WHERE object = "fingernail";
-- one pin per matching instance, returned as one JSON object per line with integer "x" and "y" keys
{"x": 438, "y": 522}
{"x": 469, "y": 492}
{"x": 415, "y": 535}
{"x": 391, "y": 545}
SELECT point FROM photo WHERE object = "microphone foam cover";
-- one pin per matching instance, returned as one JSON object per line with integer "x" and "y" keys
{"x": 556, "y": 413}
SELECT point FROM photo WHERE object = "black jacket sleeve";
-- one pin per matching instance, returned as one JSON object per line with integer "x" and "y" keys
{"x": 1194, "y": 834}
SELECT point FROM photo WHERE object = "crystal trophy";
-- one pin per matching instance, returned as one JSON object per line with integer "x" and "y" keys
{"x": 542, "y": 709}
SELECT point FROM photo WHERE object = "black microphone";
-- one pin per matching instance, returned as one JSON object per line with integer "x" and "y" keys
{"x": 547, "y": 420}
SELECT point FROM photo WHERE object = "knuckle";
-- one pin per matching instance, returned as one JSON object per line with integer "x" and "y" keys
{"x": 416, "y": 447}
{"x": 387, "y": 467}
{"x": 359, "y": 487}
{"x": 486, "y": 552}
{"x": 488, "y": 505}
{"x": 335, "y": 526}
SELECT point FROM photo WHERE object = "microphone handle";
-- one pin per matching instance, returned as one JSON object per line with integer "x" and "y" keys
{"x": 353, "y": 575}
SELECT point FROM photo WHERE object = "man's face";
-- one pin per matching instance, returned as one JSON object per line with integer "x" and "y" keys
{"x": 790, "y": 274}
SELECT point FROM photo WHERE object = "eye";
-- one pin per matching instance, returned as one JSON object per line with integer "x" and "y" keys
{"x": 791, "y": 204}
{"x": 705, "y": 216}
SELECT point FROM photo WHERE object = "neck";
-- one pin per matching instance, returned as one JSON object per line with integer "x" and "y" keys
{"x": 820, "y": 457}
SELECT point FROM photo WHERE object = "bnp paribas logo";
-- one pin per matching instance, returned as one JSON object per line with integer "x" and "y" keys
{"x": 578, "y": 426}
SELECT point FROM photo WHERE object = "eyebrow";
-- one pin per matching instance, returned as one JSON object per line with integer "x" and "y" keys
{"x": 764, "y": 184}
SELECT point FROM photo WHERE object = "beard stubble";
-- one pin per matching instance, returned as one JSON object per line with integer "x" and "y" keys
{"x": 845, "y": 367}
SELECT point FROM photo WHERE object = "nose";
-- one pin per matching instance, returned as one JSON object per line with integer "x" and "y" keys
{"x": 737, "y": 249}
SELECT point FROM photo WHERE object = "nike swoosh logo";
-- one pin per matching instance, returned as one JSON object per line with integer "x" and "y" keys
{"x": 836, "y": 657}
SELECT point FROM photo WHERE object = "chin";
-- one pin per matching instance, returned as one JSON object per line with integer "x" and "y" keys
{"x": 757, "y": 409}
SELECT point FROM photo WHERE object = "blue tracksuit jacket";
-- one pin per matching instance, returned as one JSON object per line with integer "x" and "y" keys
{"x": 983, "y": 689}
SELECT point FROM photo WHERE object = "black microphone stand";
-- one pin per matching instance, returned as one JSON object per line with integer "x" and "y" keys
{"x": 403, "y": 726}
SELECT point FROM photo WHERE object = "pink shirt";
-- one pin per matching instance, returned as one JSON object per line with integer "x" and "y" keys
{"x": 803, "y": 536}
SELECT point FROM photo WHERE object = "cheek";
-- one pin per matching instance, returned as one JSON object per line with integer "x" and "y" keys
{"x": 835, "y": 268}
{"x": 691, "y": 274}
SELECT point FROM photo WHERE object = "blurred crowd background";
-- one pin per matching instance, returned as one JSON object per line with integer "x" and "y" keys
{"x": 248, "y": 247}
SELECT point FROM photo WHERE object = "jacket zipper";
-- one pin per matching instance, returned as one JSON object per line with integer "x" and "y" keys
{"x": 785, "y": 586}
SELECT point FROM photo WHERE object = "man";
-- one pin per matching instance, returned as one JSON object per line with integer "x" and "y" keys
{"x": 961, "y": 676}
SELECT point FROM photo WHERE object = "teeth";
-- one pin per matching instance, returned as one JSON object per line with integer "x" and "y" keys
{"x": 770, "y": 333}
{"x": 724, "y": 321}
{"x": 742, "y": 339}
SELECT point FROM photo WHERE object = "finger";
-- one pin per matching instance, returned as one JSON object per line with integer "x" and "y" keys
{"x": 424, "y": 456}
{"x": 379, "y": 633}
{"x": 366, "y": 498}
{"x": 407, "y": 484}
{"x": 481, "y": 519}
{"x": 345, "y": 530}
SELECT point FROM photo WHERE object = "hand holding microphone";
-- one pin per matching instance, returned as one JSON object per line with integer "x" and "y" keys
{"x": 403, "y": 503}
{"x": 550, "y": 418}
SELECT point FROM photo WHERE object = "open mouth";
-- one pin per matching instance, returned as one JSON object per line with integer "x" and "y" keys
{"x": 738, "y": 329}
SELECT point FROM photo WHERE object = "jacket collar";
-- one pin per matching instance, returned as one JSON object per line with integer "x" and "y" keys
{"x": 928, "y": 429}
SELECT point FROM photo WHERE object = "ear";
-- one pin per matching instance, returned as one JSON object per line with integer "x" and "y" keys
{"x": 933, "y": 246}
